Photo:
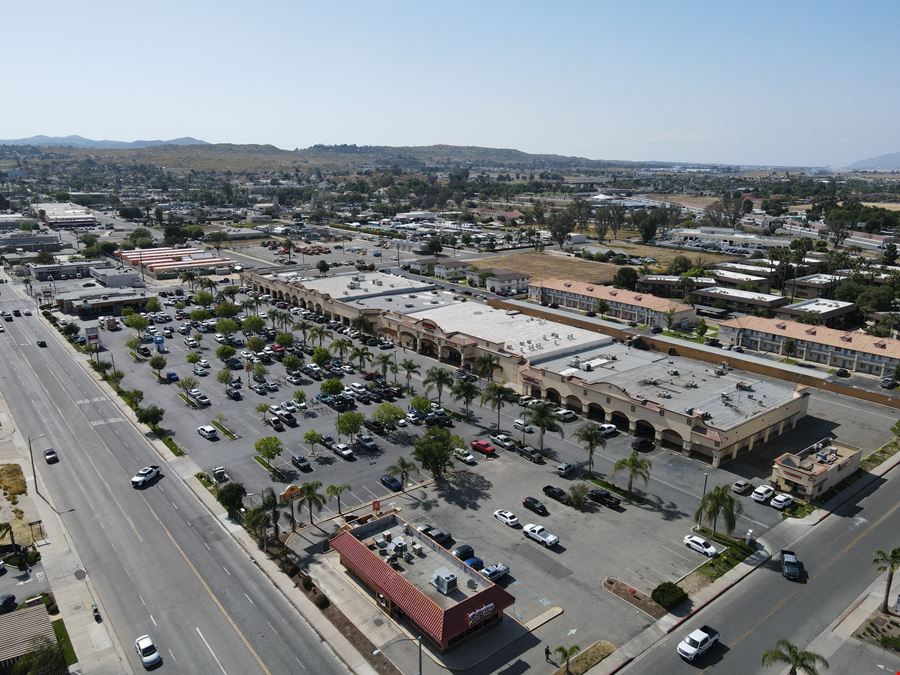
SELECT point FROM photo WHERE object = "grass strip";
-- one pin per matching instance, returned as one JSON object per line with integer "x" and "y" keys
{"x": 635, "y": 499}
{"x": 230, "y": 435}
{"x": 62, "y": 637}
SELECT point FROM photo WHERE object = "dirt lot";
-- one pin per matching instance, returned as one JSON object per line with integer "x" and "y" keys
{"x": 550, "y": 265}
{"x": 890, "y": 206}
{"x": 665, "y": 255}
{"x": 684, "y": 200}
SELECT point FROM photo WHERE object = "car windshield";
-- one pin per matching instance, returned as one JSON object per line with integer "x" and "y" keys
{"x": 692, "y": 642}
{"x": 148, "y": 650}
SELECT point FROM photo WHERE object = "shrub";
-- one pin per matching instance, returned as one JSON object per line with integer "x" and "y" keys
{"x": 306, "y": 582}
{"x": 321, "y": 601}
{"x": 668, "y": 595}
{"x": 889, "y": 642}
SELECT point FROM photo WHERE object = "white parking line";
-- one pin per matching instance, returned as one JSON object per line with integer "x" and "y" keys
{"x": 172, "y": 655}
{"x": 226, "y": 570}
{"x": 216, "y": 658}
{"x": 207, "y": 546}
{"x": 370, "y": 492}
{"x": 357, "y": 498}
{"x": 153, "y": 620}
{"x": 249, "y": 598}
{"x": 300, "y": 662}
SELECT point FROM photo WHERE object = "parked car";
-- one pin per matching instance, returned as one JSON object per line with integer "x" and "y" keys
{"x": 556, "y": 493}
{"x": 475, "y": 563}
{"x": 301, "y": 463}
{"x": 541, "y": 535}
{"x": 50, "y": 456}
{"x": 781, "y": 501}
{"x": 464, "y": 456}
{"x": 482, "y": 446}
{"x": 7, "y": 603}
{"x": 643, "y": 444}
{"x": 762, "y": 493}
{"x": 463, "y": 552}
{"x": 391, "y": 483}
{"x": 503, "y": 441}
{"x": 536, "y": 505}
{"x": 147, "y": 651}
{"x": 506, "y": 517}
{"x": 523, "y": 426}
{"x": 601, "y": 496}
{"x": 700, "y": 545}
{"x": 343, "y": 450}
{"x": 208, "y": 432}
{"x": 440, "y": 536}
{"x": 608, "y": 429}
{"x": 496, "y": 571}
{"x": 741, "y": 486}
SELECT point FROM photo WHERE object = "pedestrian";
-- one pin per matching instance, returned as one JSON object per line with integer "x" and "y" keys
{"x": 547, "y": 653}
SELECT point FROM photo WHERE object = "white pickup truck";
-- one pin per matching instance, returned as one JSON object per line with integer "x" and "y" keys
{"x": 697, "y": 643}
{"x": 145, "y": 476}
{"x": 540, "y": 535}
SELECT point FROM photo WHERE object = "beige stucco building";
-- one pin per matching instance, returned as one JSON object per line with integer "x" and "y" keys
{"x": 815, "y": 470}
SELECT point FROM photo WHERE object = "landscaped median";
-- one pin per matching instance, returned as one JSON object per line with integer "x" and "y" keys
{"x": 584, "y": 660}
{"x": 735, "y": 551}
{"x": 225, "y": 431}
{"x": 633, "y": 498}
{"x": 276, "y": 473}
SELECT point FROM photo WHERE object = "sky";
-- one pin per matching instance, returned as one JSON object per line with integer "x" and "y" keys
{"x": 773, "y": 83}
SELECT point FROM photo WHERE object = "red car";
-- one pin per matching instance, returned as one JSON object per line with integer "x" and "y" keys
{"x": 483, "y": 447}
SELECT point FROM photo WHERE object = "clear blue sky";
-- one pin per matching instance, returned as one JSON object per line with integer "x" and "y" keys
{"x": 789, "y": 82}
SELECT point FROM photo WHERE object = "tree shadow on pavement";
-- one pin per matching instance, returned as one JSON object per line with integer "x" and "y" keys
{"x": 464, "y": 489}
{"x": 668, "y": 510}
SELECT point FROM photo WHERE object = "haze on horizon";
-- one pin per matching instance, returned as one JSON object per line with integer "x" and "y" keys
{"x": 801, "y": 83}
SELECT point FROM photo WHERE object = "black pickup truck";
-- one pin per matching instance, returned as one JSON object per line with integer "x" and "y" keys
{"x": 791, "y": 568}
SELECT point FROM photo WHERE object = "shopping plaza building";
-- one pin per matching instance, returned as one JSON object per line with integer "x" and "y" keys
{"x": 689, "y": 406}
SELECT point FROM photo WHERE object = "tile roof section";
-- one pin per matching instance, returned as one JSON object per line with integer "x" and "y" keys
{"x": 609, "y": 293}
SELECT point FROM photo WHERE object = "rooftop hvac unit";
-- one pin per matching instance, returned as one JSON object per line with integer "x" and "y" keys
{"x": 444, "y": 580}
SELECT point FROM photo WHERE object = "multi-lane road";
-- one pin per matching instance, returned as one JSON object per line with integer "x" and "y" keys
{"x": 161, "y": 563}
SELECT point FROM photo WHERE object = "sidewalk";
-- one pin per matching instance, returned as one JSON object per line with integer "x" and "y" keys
{"x": 97, "y": 650}
{"x": 779, "y": 537}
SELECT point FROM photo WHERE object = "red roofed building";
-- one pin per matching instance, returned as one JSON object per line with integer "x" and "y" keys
{"x": 403, "y": 588}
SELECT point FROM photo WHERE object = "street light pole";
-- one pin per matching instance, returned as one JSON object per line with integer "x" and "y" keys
{"x": 417, "y": 640}
{"x": 33, "y": 471}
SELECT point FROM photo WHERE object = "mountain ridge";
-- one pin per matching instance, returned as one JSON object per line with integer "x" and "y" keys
{"x": 75, "y": 141}
{"x": 887, "y": 162}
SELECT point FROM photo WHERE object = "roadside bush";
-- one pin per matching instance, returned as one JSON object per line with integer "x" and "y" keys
{"x": 321, "y": 601}
{"x": 306, "y": 582}
{"x": 889, "y": 642}
{"x": 668, "y": 595}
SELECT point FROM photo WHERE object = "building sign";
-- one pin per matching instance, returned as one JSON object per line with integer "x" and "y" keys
{"x": 376, "y": 505}
{"x": 429, "y": 326}
{"x": 481, "y": 613}
{"x": 291, "y": 492}
{"x": 92, "y": 335}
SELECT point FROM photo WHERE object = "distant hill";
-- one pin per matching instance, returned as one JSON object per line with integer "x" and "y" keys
{"x": 889, "y": 162}
{"x": 81, "y": 142}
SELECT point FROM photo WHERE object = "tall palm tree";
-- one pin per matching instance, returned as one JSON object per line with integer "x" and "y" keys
{"x": 304, "y": 327}
{"x": 361, "y": 323}
{"x": 566, "y": 653}
{"x": 437, "y": 378}
{"x": 270, "y": 504}
{"x": 318, "y": 333}
{"x": 284, "y": 321}
{"x": 591, "y": 437}
{"x": 635, "y": 466}
{"x": 190, "y": 277}
{"x": 485, "y": 365}
{"x": 385, "y": 363}
{"x": 496, "y": 396}
{"x": 798, "y": 661}
{"x": 543, "y": 416}
{"x": 247, "y": 304}
{"x": 336, "y": 491}
{"x": 312, "y": 497}
{"x": 409, "y": 368}
{"x": 887, "y": 561}
{"x": 465, "y": 391}
{"x": 276, "y": 316}
{"x": 341, "y": 346}
{"x": 402, "y": 469}
{"x": 716, "y": 502}
{"x": 362, "y": 356}
{"x": 257, "y": 521}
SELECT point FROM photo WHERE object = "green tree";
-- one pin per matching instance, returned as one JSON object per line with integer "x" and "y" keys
{"x": 187, "y": 383}
{"x": 44, "y": 657}
{"x": 341, "y": 346}
{"x": 192, "y": 357}
{"x": 157, "y": 362}
{"x": 388, "y": 414}
{"x": 889, "y": 255}
{"x": 299, "y": 397}
{"x": 561, "y": 225}
{"x": 320, "y": 356}
{"x": 322, "y": 266}
{"x": 543, "y": 416}
{"x": 335, "y": 491}
{"x": 225, "y": 352}
{"x": 137, "y": 323}
{"x": 269, "y": 447}
{"x": 433, "y": 451}
{"x": 625, "y": 277}
{"x": 465, "y": 391}
{"x": 260, "y": 371}
{"x": 152, "y": 415}
{"x": 591, "y": 437}
{"x": 496, "y": 396}
{"x": 223, "y": 377}
{"x": 227, "y": 327}
{"x": 318, "y": 334}
{"x": 253, "y": 324}
{"x": 409, "y": 368}
{"x": 312, "y": 497}
{"x": 361, "y": 355}
{"x": 788, "y": 654}
{"x": 385, "y": 363}
{"x": 887, "y": 561}
{"x": 312, "y": 438}
{"x": 349, "y": 423}
{"x": 204, "y": 299}
{"x": 402, "y": 469}
{"x": 701, "y": 327}
{"x": 115, "y": 377}
{"x": 635, "y": 466}
{"x": 717, "y": 502}
{"x": 304, "y": 327}
{"x": 578, "y": 494}
{"x": 566, "y": 653}
{"x": 132, "y": 397}
{"x": 257, "y": 522}
{"x": 331, "y": 387}
{"x": 420, "y": 404}
{"x": 485, "y": 366}
{"x": 437, "y": 378}
{"x": 727, "y": 211}
{"x": 152, "y": 304}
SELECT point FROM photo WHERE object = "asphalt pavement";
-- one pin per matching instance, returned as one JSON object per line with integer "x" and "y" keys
{"x": 160, "y": 562}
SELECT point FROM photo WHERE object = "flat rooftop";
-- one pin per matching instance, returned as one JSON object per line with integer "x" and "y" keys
{"x": 407, "y": 303}
{"x": 676, "y": 383}
{"x": 818, "y": 306}
{"x": 736, "y": 276}
{"x": 754, "y": 296}
{"x": 382, "y": 535}
{"x": 820, "y": 279}
{"x": 351, "y": 284}
{"x": 532, "y": 337}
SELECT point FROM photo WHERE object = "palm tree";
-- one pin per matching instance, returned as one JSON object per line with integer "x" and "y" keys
{"x": 336, "y": 491}
{"x": 496, "y": 396}
{"x": 402, "y": 470}
{"x": 543, "y": 416}
{"x": 636, "y": 467}
{"x": 590, "y": 436}
{"x": 341, "y": 346}
{"x": 319, "y": 333}
{"x": 566, "y": 653}
{"x": 257, "y": 521}
{"x": 189, "y": 277}
{"x": 304, "y": 327}
{"x": 465, "y": 391}
{"x": 270, "y": 504}
{"x": 887, "y": 561}
{"x": 798, "y": 661}
{"x": 361, "y": 323}
{"x": 312, "y": 497}
{"x": 410, "y": 368}
{"x": 485, "y": 365}
{"x": 716, "y": 502}
{"x": 361, "y": 355}
{"x": 276, "y": 316}
{"x": 437, "y": 378}
{"x": 385, "y": 363}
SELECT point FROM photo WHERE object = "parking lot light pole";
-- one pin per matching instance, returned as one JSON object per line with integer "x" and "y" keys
{"x": 31, "y": 454}
{"x": 395, "y": 641}
{"x": 705, "y": 478}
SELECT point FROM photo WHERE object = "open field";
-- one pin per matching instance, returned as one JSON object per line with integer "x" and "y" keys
{"x": 552, "y": 265}
{"x": 695, "y": 202}
{"x": 666, "y": 255}
{"x": 890, "y": 206}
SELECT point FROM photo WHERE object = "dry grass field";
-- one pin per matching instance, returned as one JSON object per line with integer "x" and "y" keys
{"x": 666, "y": 255}
{"x": 890, "y": 206}
{"x": 550, "y": 265}
{"x": 685, "y": 200}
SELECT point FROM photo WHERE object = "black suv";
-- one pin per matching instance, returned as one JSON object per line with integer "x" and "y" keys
{"x": 374, "y": 426}
{"x": 643, "y": 444}
{"x": 556, "y": 493}
{"x": 603, "y": 497}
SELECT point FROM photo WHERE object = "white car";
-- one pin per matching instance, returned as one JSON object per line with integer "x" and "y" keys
{"x": 700, "y": 545}
{"x": 203, "y": 363}
{"x": 246, "y": 354}
{"x": 762, "y": 493}
{"x": 218, "y": 337}
{"x": 503, "y": 441}
{"x": 343, "y": 450}
{"x": 147, "y": 651}
{"x": 208, "y": 432}
{"x": 523, "y": 426}
{"x": 506, "y": 517}
{"x": 289, "y": 406}
{"x": 608, "y": 429}
{"x": 200, "y": 370}
{"x": 781, "y": 501}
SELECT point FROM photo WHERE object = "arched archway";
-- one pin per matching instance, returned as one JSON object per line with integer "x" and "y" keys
{"x": 643, "y": 429}
{"x": 672, "y": 440}
{"x": 409, "y": 341}
{"x": 318, "y": 308}
{"x": 573, "y": 403}
{"x": 535, "y": 391}
{"x": 552, "y": 395}
{"x": 428, "y": 347}
{"x": 595, "y": 412}
{"x": 451, "y": 355}
{"x": 619, "y": 419}
{"x": 295, "y": 301}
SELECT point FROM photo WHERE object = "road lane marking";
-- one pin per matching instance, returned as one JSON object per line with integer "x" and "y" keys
{"x": 215, "y": 658}
{"x": 300, "y": 662}
{"x": 153, "y": 620}
{"x": 175, "y": 505}
{"x": 226, "y": 570}
{"x": 172, "y": 655}
{"x": 207, "y": 546}
{"x": 251, "y": 600}
{"x": 142, "y": 600}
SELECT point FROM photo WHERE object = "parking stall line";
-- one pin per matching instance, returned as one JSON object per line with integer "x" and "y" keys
{"x": 357, "y": 497}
